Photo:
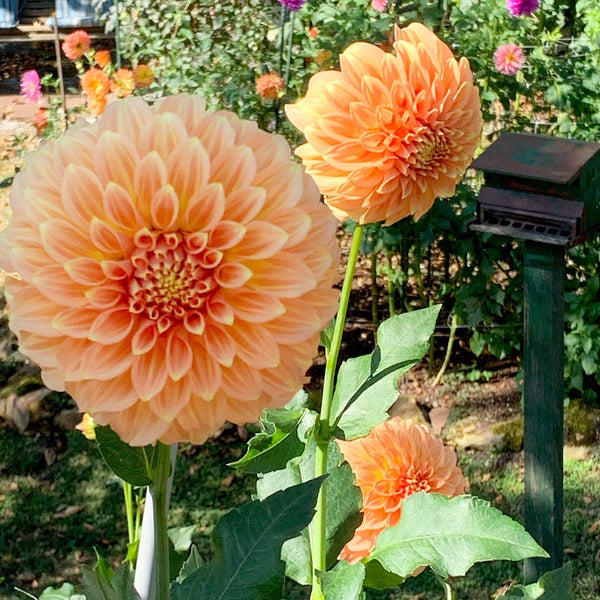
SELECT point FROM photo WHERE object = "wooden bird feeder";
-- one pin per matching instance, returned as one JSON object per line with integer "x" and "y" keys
{"x": 545, "y": 191}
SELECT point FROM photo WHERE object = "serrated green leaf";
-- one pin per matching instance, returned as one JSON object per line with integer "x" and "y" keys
{"x": 278, "y": 443}
{"x": 64, "y": 592}
{"x": 181, "y": 537}
{"x": 192, "y": 563}
{"x": 129, "y": 463}
{"x": 248, "y": 541}
{"x": 377, "y": 578}
{"x": 554, "y": 585}
{"x": 101, "y": 583}
{"x": 450, "y": 535}
{"x": 344, "y": 502}
{"x": 327, "y": 335}
{"x": 363, "y": 395}
{"x": 344, "y": 581}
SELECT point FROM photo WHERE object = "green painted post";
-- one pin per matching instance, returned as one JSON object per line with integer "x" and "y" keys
{"x": 544, "y": 273}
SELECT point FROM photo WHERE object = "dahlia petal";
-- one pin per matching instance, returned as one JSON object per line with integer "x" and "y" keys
{"x": 164, "y": 208}
{"x": 168, "y": 403}
{"x": 190, "y": 109}
{"x": 298, "y": 323}
{"x": 162, "y": 134}
{"x": 109, "y": 241}
{"x": 86, "y": 271}
{"x": 75, "y": 322}
{"x": 115, "y": 159}
{"x": 82, "y": 359}
{"x": 115, "y": 394}
{"x": 52, "y": 282}
{"x": 144, "y": 338}
{"x": 150, "y": 176}
{"x": 81, "y": 195}
{"x": 226, "y": 234}
{"x": 116, "y": 269}
{"x": 53, "y": 380}
{"x": 188, "y": 168}
{"x": 38, "y": 309}
{"x": 73, "y": 149}
{"x": 149, "y": 371}
{"x": 217, "y": 136}
{"x": 244, "y": 204}
{"x": 40, "y": 349}
{"x": 126, "y": 118}
{"x": 119, "y": 208}
{"x": 241, "y": 381}
{"x": 205, "y": 374}
{"x": 261, "y": 240}
{"x": 219, "y": 344}
{"x": 205, "y": 208}
{"x": 112, "y": 326}
{"x": 233, "y": 169}
{"x": 232, "y": 275}
{"x": 219, "y": 311}
{"x": 63, "y": 241}
{"x": 283, "y": 275}
{"x": 253, "y": 306}
{"x": 179, "y": 355}
{"x": 295, "y": 222}
{"x": 105, "y": 296}
{"x": 256, "y": 346}
{"x": 284, "y": 185}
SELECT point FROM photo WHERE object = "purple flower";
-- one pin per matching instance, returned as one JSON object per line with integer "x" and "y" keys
{"x": 30, "y": 86}
{"x": 519, "y": 8}
{"x": 292, "y": 4}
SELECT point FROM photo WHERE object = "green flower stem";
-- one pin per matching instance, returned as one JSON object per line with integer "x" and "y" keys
{"x": 161, "y": 540}
{"x": 288, "y": 61}
{"x": 390, "y": 283}
{"x": 324, "y": 434}
{"x": 128, "y": 496}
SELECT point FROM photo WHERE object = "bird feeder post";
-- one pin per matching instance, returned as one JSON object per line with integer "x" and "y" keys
{"x": 543, "y": 274}
{"x": 545, "y": 191}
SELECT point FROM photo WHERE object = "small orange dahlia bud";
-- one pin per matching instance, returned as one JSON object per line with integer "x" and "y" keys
{"x": 268, "y": 86}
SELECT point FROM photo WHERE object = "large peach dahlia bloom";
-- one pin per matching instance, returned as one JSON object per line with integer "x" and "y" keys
{"x": 175, "y": 266}
{"x": 397, "y": 459}
{"x": 387, "y": 134}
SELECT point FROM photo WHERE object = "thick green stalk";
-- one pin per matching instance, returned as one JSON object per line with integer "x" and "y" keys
{"x": 390, "y": 283}
{"x": 323, "y": 434}
{"x": 128, "y": 496}
{"x": 161, "y": 539}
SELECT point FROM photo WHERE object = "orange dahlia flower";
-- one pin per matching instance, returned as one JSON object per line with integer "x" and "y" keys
{"x": 397, "y": 459}
{"x": 95, "y": 82}
{"x": 76, "y": 44}
{"x": 389, "y": 133}
{"x": 102, "y": 58}
{"x": 122, "y": 83}
{"x": 143, "y": 76}
{"x": 268, "y": 86}
{"x": 176, "y": 268}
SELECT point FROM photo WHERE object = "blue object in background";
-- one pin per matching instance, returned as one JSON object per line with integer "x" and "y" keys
{"x": 9, "y": 13}
{"x": 75, "y": 13}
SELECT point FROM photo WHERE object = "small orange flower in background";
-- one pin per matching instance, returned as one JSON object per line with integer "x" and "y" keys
{"x": 95, "y": 84}
{"x": 313, "y": 32}
{"x": 102, "y": 58}
{"x": 76, "y": 44}
{"x": 387, "y": 134}
{"x": 176, "y": 267}
{"x": 143, "y": 76}
{"x": 122, "y": 83}
{"x": 398, "y": 458}
{"x": 87, "y": 427}
{"x": 268, "y": 86}
{"x": 40, "y": 119}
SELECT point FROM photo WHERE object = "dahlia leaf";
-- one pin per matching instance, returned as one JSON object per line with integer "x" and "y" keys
{"x": 450, "y": 535}
{"x": 366, "y": 386}
{"x": 191, "y": 564}
{"x": 344, "y": 582}
{"x": 248, "y": 541}
{"x": 344, "y": 502}
{"x": 127, "y": 462}
{"x": 64, "y": 592}
{"x": 279, "y": 442}
{"x": 553, "y": 585}
{"x": 180, "y": 540}
{"x": 377, "y": 578}
{"x": 100, "y": 583}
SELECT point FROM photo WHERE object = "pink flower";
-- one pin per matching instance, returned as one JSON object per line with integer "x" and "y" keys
{"x": 509, "y": 59}
{"x": 30, "y": 86}
{"x": 519, "y": 8}
{"x": 379, "y": 5}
